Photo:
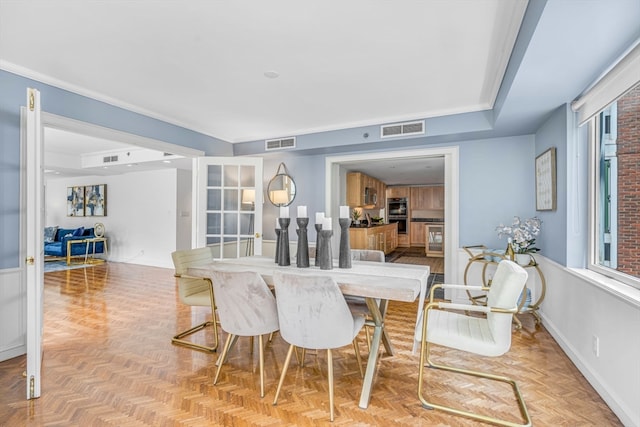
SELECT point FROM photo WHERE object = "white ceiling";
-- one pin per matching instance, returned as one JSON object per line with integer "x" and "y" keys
{"x": 201, "y": 64}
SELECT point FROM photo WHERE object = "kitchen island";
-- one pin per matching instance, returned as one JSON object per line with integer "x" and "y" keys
{"x": 382, "y": 237}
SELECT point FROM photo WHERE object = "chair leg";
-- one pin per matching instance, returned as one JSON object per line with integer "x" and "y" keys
{"x": 178, "y": 339}
{"x": 261, "y": 352}
{"x": 366, "y": 329}
{"x": 358, "y": 358}
{"x": 284, "y": 372}
{"x": 330, "y": 375}
{"x": 225, "y": 350}
{"x": 425, "y": 356}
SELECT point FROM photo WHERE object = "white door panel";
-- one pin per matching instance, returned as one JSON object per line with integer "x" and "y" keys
{"x": 34, "y": 263}
{"x": 227, "y": 202}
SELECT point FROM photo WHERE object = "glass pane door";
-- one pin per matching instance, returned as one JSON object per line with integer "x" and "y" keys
{"x": 229, "y": 200}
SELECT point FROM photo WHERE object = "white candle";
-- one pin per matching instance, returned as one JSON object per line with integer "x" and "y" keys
{"x": 277, "y": 223}
{"x": 344, "y": 211}
{"x": 284, "y": 211}
{"x": 327, "y": 224}
{"x": 302, "y": 212}
{"x": 319, "y": 217}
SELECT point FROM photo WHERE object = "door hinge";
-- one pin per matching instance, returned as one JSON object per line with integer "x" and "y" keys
{"x": 32, "y": 387}
{"x": 32, "y": 100}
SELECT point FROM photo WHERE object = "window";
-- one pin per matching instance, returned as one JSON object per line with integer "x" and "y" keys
{"x": 615, "y": 189}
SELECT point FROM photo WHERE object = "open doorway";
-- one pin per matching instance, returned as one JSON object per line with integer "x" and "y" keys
{"x": 148, "y": 187}
{"x": 337, "y": 167}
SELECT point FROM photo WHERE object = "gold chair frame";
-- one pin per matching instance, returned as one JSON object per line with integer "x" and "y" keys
{"x": 425, "y": 358}
{"x": 178, "y": 339}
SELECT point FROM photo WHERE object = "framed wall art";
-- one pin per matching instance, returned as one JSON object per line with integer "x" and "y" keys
{"x": 546, "y": 180}
{"x": 75, "y": 201}
{"x": 95, "y": 200}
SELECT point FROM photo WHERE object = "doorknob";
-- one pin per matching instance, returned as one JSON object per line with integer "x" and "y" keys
{"x": 30, "y": 260}
{"x": 257, "y": 235}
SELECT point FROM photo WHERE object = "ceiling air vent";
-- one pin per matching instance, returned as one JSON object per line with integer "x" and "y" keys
{"x": 402, "y": 129}
{"x": 109, "y": 159}
{"x": 280, "y": 144}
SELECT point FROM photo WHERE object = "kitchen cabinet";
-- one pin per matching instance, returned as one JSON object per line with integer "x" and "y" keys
{"x": 382, "y": 237}
{"x": 356, "y": 184}
{"x": 417, "y": 233}
{"x": 427, "y": 198}
{"x": 434, "y": 240}
{"x": 395, "y": 192}
{"x": 436, "y": 201}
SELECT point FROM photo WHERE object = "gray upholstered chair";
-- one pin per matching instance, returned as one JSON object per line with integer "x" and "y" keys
{"x": 195, "y": 291}
{"x": 246, "y": 308}
{"x": 313, "y": 314}
{"x": 488, "y": 335}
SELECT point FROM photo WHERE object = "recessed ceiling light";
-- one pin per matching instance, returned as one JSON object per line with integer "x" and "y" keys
{"x": 271, "y": 74}
{"x": 166, "y": 161}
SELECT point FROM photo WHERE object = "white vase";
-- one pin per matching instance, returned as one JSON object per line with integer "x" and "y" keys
{"x": 523, "y": 259}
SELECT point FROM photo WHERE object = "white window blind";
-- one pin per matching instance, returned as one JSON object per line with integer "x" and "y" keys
{"x": 624, "y": 75}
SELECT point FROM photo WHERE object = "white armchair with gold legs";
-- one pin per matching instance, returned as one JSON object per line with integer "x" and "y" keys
{"x": 313, "y": 314}
{"x": 489, "y": 335}
{"x": 195, "y": 291}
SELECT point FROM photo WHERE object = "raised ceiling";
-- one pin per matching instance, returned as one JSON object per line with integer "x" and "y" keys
{"x": 210, "y": 65}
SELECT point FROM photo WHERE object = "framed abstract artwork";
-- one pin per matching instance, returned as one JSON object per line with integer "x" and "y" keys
{"x": 546, "y": 180}
{"x": 95, "y": 200}
{"x": 75, "y": 201}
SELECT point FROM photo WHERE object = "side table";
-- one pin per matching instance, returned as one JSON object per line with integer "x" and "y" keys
{"x": 526, "y": 305}
{"x": 93, "y": 241}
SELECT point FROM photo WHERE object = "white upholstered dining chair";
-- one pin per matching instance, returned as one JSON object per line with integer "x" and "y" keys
{"x": 446, "y": 324}
{"x": 246, "y": 308}
{"x": 195, "y": 291}
{"x": 313, "y": 314}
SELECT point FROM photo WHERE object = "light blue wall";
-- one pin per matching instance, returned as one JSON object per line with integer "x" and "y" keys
{"x": 308, "y": 174}
{"x": 553, "y": 133}
{"x": 13, "y": 91}
{"x": 565, "y": 230}
{"x": 496, "y": 184}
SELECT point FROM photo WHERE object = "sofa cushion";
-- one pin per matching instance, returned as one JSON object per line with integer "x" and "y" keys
{"x": 79, "y": 232}
{"x": 50, "y": 234}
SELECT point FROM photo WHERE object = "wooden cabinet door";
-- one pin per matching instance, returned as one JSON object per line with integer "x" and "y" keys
{"x": 436, "y": 197}
{"x": 418, "y": 234}
{"x": 394, "y": 192}
{"x": 420, "y": 198}
{"x": 355, "y": 189}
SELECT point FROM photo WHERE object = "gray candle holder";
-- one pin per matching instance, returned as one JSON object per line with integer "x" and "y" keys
{"x": 302, "y": 255}
{"x": 284, "y": 257}
{"x": 318, "y": 239}
{"x": 277, "y": 257}
{"x": 326, "y": 258}
{"x": 344, "y": 258}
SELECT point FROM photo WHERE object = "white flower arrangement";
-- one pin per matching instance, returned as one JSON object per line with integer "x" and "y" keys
{"x": 522, "y": 234}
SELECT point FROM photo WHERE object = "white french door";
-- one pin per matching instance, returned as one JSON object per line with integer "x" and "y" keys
{"x": 227, "y": 205}
{"x": 34, "y": 261}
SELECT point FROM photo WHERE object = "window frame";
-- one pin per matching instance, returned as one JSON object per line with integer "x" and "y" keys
{"x": 594, "y": 210}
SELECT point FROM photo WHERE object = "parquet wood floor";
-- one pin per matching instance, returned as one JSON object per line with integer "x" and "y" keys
{"x": 109, "y": 361}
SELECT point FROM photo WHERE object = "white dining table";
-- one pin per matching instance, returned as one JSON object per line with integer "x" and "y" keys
{"x": 374, "y": 281}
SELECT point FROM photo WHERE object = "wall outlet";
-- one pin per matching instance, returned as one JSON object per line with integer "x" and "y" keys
{"x": 596, "y": 346}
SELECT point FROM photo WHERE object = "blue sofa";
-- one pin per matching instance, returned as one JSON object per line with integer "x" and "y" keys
{"x": 58, "y": 245}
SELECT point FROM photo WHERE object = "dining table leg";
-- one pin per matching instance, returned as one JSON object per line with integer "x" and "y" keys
{"x": 372, "y": 362}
